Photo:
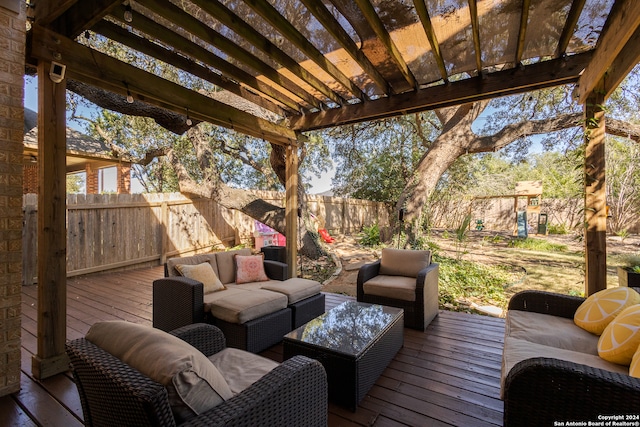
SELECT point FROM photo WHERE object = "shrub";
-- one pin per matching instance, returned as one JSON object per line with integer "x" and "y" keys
{"x": 557, "y": 229}
{"x": 370, "y": 236}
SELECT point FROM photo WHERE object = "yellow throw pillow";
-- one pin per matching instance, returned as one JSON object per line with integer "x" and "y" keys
{"x": 597, "y": 311}
{"x": 202, "y": 273}
{"x": 634, "y": 368}
{"x": 621, "y": 338}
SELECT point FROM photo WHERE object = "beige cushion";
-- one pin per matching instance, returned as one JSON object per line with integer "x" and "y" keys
{"x": 202, "y": 273}
{"x": 549, "y": 330}
{"x": 247, "y": 305}
{"x": 250, "y": 268}
{"x": 401, "y": 262}
{"x": 209, "y": 299}
{"x": 191, "y": 260}
{"x": 192, "y": 381}
{"x": 296, "y": 289}
{"x": 517, "y": 350}
{"x": 241, "y": 368}
{"x": 227, "y": 266}
{"x": 396, "y": 287}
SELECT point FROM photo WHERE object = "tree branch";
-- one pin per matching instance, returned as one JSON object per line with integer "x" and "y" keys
{"x": 511, "y": 132}
{"x": 169, "y": 120}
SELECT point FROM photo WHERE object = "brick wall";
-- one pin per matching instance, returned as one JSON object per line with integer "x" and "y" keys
{"x": 30, "y": 179}
{"x": 91, "y": 179}
{"x": 12, "y": 51}
{"x": 124, "y": 178}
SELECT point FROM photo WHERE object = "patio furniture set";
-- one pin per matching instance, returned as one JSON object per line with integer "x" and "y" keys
{"x": 131, "y": 374}
{"x": 550, "y": 371}
{"x": 557, "y": 366}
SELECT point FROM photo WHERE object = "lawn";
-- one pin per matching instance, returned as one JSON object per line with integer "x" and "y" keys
{"x": 489, "y": 267}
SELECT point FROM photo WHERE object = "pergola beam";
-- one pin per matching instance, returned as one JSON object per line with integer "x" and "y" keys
{"x": 377, "y": 26}
{"x": 49, "y": 11}
{"x": 187, "y": 48}
{"x": 423, "y": 13}
{"x": 621, "y": 25}
{"x": 119, "y": 34}
{"x": 501, "y": 83}
{"x": 291, "y": 33}
{"x": 475, "y": 29}
{"x": 522, "y": 32}
{"x": 81, "y": 16}
{"x": 623, "y": 64}
{"x": 569, "y": 26}
{"x": 232, "y": 21}
{"x": 333, "y": 27}
{"x": 101, "y": 70}
{"x": 204, "y": 32}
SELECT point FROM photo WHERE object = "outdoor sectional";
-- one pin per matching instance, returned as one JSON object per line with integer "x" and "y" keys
{"x": 551, "y": 372}
{"x": 253, "y": 316}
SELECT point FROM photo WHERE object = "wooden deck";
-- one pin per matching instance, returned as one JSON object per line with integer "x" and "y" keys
{"x": 446, "y": 376}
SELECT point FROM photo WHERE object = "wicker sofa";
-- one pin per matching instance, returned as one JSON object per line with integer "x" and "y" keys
{"x": 253, "y": 316}
{"x": 551, "y": 371}
{"x": 113, "y": 393}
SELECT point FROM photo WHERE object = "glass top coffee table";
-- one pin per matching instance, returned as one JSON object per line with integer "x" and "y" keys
{"x": 354, "y": 341}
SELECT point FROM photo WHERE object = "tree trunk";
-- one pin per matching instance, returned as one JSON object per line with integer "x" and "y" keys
{"x": 457, "y": 139}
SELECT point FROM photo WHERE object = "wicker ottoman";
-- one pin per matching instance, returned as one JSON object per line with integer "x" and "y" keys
{"x": 252, "y": 321}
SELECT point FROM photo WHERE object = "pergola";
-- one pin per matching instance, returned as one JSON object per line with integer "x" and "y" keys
{"x": 313, "y": 64}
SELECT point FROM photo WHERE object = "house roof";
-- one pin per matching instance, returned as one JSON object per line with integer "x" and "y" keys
{"x": 321, "y": 63}
{"x": 81, "y": 148}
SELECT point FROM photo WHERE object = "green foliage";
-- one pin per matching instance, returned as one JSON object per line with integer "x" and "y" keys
{"x": 75, "y": 183}
{"x": 623, "y": 234}
{"x": 557, "y": 229}
{"x": 461, "y": 236}
{"x": 630, "y": 262}
{"x": 375, "y": 160}
{"x": 537, "y": 245}
{"x": 461, "y": 279}
{"x": 370, "y": 236}
{"x": 493, "y": 239}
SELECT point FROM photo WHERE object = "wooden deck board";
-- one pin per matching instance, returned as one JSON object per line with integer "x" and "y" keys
{"x": 448, "y": 375}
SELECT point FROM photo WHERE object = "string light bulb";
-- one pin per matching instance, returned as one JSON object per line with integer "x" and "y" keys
{"x": 188, "y": 121}
{"x": 128, "y": 15}
{"x": 129, "y": 96}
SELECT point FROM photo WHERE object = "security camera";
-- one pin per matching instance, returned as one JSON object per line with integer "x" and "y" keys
{"x": 56, "y": 73}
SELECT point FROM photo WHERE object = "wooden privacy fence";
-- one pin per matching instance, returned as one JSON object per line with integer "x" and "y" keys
{"x": 116, "y": 231}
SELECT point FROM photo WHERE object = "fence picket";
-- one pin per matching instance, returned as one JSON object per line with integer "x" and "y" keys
{"x": 131, "y": 230}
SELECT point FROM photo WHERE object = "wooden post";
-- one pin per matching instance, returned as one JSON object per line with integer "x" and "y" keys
{"x": 164, "y": 229}
{"x": 595, "y": 195}
{"x": 291, "y": 209}
{"x": 50, "y": 358}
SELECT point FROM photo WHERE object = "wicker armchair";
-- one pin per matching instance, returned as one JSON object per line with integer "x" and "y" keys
{"x": 541, "y": 390}
{"x": 114, "y": 394}
{"x": 419, "y": 311}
